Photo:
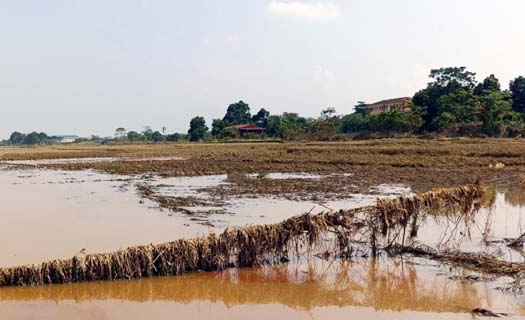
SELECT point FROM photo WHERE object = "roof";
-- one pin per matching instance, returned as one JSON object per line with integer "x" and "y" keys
{"x": 392, "y": 101}
{"x": 246, "y": 127}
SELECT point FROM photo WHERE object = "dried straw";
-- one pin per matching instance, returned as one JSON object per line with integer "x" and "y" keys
{"x": 239, "y": 247}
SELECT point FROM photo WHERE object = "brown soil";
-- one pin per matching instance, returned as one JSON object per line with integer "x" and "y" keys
{"x": 418, "y": 163}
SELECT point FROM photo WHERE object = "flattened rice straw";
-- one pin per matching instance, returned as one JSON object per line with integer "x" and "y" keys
{"x": 241, "y": 247}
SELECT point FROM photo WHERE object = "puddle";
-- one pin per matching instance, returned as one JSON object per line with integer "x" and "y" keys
{"x": 501, "y": 220}
{"x": 378, "y": 289}
{"x": 297, "y": 175}
{"x": 84, "y": 160}
{"x": 48, "y": 214}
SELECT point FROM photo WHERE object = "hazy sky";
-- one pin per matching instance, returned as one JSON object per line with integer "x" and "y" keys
{"x": 83, "y": 67}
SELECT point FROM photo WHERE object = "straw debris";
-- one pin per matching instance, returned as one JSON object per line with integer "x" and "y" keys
{"x": 244, "y": 247}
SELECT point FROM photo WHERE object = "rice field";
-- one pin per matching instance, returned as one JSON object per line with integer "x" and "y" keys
{"x": 296, "y": 230}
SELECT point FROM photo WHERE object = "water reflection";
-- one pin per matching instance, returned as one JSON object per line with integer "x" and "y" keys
{"x": 382, "y": 284}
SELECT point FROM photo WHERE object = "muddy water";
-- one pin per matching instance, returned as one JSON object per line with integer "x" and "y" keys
{"x": 49, "y": 214}
{"x": 55, "y": 214}
{"x": 378, "y": 289}
{"x": 501, "y": 220}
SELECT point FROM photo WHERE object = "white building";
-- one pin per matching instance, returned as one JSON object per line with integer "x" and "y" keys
{"x": 66, "y": 139}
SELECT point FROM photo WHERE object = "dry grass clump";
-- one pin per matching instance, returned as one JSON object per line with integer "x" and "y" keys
{"x": 403, "y": 212}
{"x": 470, "y": 260}
{"x": 175, "y": 203}
{"x": 236, "y": 247}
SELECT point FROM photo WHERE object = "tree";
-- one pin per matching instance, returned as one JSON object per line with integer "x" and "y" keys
{"x": 174, "y": 137}
{"x": 157, "y": 136}
{"x": 445, "y": 81}
{"x": 17, "y": 138}
{"x": 43, "y": 137}
{"x": 197, "y": 129}
{"x": 361, "y": 108}
{"x": 32, "y": 138}
{"x": 147, "y": 134}
{"x": 286, "y": 126}
{"x": 261, "y": 118}
{"x": 396, "y": 121}
{"x": 489, "y": 85}
{"x": 517, "y": 92}
{"x": 499, "y": 120}
{"x": 120, "y": 133}
{"x": 461, "y": 104}
{"x": 458, "y": 77}
{"x": 217, "y": 128}
{"x": 354, "y": 122}
{"x": 237, "y": 113}
{"x": 328, "y": 113}
{"x": 133, "y": 136}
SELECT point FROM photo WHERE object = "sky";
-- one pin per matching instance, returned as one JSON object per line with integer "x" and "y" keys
{"x": 88, "y": 67}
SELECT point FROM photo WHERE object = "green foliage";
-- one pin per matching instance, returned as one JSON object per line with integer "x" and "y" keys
{"x": 499, "y": 119}
{"x": 286, "y": 126}
{"x": 361, "y": 108}
{"x": 517, "y": 91}
{"x": 32, "y": 138}
{"x": 237, "y": 113}
{"x": 489, "y": 85}
{"x": 461, "y": 105}
{"x": 326, "y": 126}
{"x": 446, "y": 81}
{"x": 261, "y": 118}
{"x": 354, "y": 122}
{"x": 157, "y": 136}
{"x": 453, "y": 77}
{"x": 217, "y": 128}
{"x": 175, "y": 137}
{"x": 198, "y": 129}
{"x": 395, "y": 121}
{"x": 16, "y": 138}
{"x": 134, "y": 136}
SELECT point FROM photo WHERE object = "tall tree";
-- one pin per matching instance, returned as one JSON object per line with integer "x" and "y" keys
{"x": 217, "y": 128}
{"x": 445, "y": 81}
{"x": 361, "y": 108}
{"x": 237, "y": 113}
{"x": 517, "y": 92}
{"x": 120, "y": 133}
{"x": 197, "y": 129}
{"x": 261, "y": 118}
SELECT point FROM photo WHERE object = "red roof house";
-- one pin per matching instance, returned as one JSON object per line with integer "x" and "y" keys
{"x": 244, "y": 128}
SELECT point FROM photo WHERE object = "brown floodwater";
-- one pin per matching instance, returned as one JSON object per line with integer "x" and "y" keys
{"x": 366, "y": 289}
{"x": 55, "y": 214}
{"x": 49, "y": 214}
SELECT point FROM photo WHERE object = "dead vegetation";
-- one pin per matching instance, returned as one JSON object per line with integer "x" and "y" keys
{"x": 248, "y": 246}
{"x": 177, "y": 203}
{"x": 419, "y": 163}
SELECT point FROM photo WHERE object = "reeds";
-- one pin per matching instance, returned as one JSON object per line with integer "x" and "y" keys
{"x": 240, "y": 247}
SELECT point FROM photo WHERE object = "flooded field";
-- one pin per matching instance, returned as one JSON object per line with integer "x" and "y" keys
{"x": 363, "y": 289}
{"x": 56, "y": 214}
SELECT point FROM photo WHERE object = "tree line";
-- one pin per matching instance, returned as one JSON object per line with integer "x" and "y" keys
{"x": 453, "y": 103}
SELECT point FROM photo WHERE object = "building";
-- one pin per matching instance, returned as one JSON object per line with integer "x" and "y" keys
{"x": 397, "y": 104}
{"x": 245, "y": 128}
{"x": 65, "y": 139}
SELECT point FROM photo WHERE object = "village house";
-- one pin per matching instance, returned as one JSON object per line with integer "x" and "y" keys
{"x": 245, "y": 128}
{"x": 397, "y": 104}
